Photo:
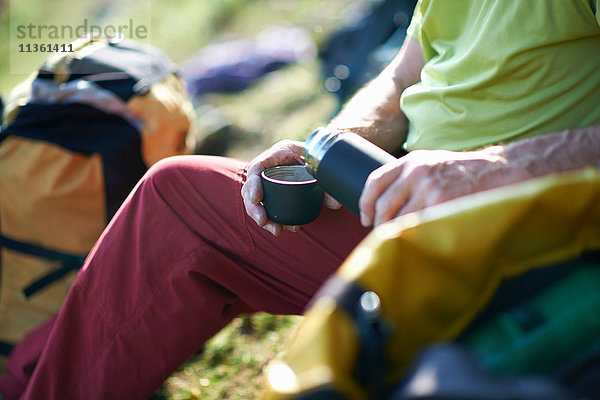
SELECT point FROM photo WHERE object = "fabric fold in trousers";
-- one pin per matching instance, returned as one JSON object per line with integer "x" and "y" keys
{"x": 180, "y": 259}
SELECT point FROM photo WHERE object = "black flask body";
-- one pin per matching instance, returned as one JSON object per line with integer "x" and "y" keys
{"x": 341, "y": 162}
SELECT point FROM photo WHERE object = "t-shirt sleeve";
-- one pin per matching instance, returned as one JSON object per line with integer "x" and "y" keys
{"x": 414, "y": 29}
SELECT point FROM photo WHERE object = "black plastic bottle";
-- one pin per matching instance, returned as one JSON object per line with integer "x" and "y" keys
{"x": 341, "y": 162}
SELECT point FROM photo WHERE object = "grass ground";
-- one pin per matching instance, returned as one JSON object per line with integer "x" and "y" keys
{"x": 231, "y": 364}
{"x": 285, "y": 104}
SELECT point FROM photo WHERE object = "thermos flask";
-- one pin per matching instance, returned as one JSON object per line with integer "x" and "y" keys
{"x": 341, "y": 162}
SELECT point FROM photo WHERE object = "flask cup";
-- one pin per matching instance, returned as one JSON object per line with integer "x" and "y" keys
{"x": 341, "y": 162}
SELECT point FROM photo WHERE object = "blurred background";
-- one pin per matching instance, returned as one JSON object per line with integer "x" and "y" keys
{"x": 258, "y": 71}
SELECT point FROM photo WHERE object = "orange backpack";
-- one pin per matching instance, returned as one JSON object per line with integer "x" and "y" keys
{"x": 77, "y": 136}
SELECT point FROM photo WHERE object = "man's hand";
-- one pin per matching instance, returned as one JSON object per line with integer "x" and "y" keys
{"x": 424, "y": 178}
{"x": 286, "y": 152}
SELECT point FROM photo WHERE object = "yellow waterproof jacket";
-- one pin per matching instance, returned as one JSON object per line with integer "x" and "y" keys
{"x": 433, "y": 272}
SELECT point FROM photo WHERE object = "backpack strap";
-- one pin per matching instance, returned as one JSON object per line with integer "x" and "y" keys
{"x": 69, "y": 262}
{"x": 373, "y": 330}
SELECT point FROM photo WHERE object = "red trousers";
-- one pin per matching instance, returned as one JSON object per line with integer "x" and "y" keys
{"x": 179, "y": 260}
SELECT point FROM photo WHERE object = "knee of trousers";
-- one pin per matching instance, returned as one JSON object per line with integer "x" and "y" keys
{"x": 206, "y": 187}
{"x": 181, "y": 172}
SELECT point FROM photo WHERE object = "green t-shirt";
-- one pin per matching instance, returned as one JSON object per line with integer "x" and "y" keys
{"x": 499, "y": 70}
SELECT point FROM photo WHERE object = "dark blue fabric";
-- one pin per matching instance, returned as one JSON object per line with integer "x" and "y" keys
{"x": 232, "y": 66}
{"x": 123, "y": 87}
{"x": 69, "y": 262}
{"x": 125, "y": 68}
{"x": 85, "y": 129}
{"x": 42, "y": 252}
{"x": 48, "y": 279}
{"x": 5, "y": 349}
{"x": 230, "y": 77}
{"x": 123, "y": 167}
{"x": 352, "y": 46}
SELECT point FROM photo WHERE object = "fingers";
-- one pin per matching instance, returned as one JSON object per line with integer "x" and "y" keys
{"x": 411, "y": 205}
{"x": 252, "y": 189}
{"x": 423, "y": 194}
{"x": 252, "y": 195}
{"x": 391, "y": 201}
{"x": 421, "y": 179}
{"x": 377, "y": 183}
{"x": 330, "y": 202}
{"x": 286, "y": 152}
{"x": 282, "y": 153}
{"x": 274, "y": 228}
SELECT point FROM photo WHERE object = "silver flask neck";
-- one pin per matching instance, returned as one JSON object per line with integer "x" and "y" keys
{"x": 317, "y": 145}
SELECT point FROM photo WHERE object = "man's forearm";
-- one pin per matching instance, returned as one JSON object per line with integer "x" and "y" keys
{"x": 558, "y": 152}
{"x": 374, "y": 111}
